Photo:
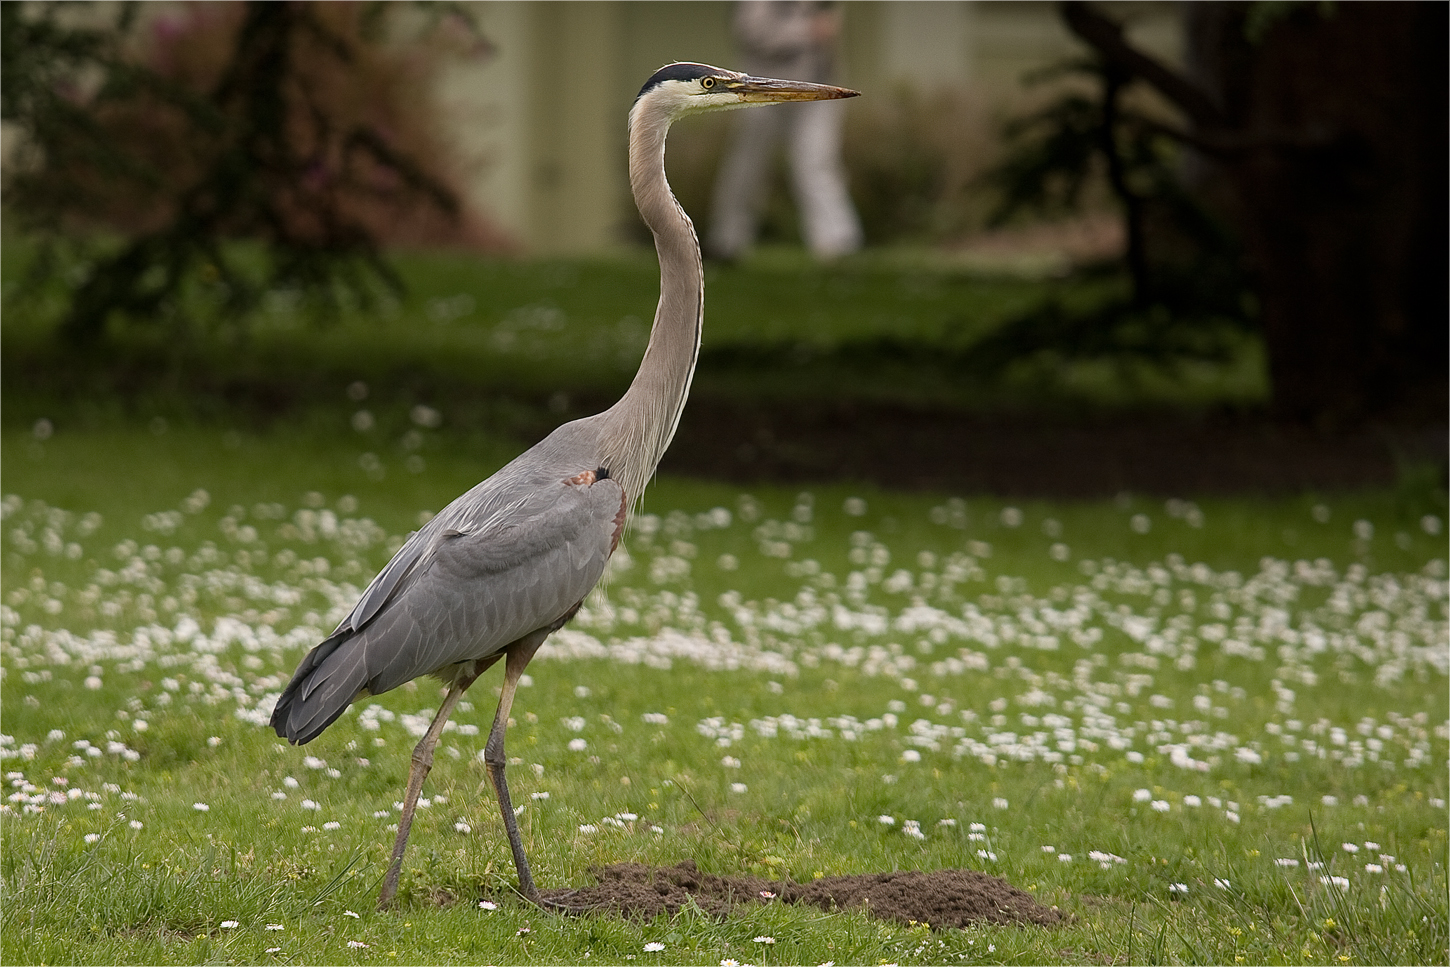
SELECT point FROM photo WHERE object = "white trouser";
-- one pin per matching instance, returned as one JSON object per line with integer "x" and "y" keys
{"x": 828, "y": 219}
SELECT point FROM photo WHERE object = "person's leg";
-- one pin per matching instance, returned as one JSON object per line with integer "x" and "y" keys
{"x": 742, "y": 182}
{"x": 828, "y": 219}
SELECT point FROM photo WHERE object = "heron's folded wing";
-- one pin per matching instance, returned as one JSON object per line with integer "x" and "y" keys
{"x": 480, "y": 586}
{"x": 381, "y": 589}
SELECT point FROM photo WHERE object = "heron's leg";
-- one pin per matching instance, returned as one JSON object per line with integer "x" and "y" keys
{"x": 422, "y": 763}
{"x": 495, "y": 760}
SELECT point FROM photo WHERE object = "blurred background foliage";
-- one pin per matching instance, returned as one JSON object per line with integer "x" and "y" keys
{"x": 1257, "y": 209}
{"x": 148, "y": 153}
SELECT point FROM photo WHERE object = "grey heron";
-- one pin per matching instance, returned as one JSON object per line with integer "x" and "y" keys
{"x": 509, "y": 562}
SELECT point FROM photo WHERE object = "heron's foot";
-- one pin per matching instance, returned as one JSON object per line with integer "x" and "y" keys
{"x": 558, "y": 903}
{"x": 561, "y": 904}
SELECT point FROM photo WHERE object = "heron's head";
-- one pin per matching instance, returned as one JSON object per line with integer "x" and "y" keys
{"x": 680, "y": 89}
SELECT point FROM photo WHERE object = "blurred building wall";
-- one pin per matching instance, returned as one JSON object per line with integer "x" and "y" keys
{"x": 540, "y": 123}
{"x": 544, "y": 119}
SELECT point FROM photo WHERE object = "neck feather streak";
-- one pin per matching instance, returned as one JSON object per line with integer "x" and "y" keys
{"x": 640, "y": 426}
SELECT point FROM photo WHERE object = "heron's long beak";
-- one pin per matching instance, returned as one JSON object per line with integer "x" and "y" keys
{"x": 758, "y": 90}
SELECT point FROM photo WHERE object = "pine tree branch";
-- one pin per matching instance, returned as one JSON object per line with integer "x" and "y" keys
{"x": 1106, "y": 37}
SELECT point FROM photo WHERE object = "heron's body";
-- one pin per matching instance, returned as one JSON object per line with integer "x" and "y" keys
{"x": 515, "y": 554}
{"x": 509, "y": 562}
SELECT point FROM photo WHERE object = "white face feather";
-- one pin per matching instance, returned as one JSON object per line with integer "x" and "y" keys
{"x": 680, "y": 98}
{"x": 715, "y": 89}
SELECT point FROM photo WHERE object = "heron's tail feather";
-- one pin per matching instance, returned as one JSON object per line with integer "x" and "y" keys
{"x": 327, "y": 681}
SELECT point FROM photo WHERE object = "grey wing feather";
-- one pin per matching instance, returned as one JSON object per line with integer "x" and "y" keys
{"x": 474, "y": 581}
{"x": 382, "y": 587}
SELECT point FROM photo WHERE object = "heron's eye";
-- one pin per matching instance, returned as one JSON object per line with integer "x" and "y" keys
{"x": 707, "y": 82}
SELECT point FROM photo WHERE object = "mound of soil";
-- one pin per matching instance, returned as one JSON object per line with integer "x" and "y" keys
{"x": 944, "y": 898}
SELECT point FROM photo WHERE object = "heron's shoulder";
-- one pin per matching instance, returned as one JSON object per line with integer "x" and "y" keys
{"x": 561, "y": 456}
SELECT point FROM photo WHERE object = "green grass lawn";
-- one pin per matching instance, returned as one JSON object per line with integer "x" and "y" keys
{"x": 1210, "y": 732}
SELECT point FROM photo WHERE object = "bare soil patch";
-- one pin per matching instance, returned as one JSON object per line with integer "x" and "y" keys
{"x": 1040, "y": 456}
{"x": 940, "y": 898}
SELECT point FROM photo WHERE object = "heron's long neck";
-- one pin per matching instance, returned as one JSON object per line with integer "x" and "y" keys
{"x": 639, "y": 427}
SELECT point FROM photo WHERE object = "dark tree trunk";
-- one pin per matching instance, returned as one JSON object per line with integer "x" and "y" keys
{"x": 1348, "y": 234}
{"x": 1114, "y": 79}
{"x": 1329, "y": 124}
